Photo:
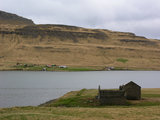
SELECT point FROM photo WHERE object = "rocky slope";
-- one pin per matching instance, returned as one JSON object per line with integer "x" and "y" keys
{"x": 76, "y": 46}
{"x": 8, "y": 18}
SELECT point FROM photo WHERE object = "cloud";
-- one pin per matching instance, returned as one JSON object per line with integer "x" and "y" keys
{"x": 138, "y": 16}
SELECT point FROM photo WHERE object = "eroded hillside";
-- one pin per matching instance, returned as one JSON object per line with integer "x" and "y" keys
{"x": 13, "y": 19}
{"x": 76, "y": 46}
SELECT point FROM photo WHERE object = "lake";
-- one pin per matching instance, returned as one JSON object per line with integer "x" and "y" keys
{"x": 18, "y": 88}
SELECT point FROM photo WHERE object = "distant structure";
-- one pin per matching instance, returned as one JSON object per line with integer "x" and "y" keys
{"x": 130, "y": 91}
{"x": 44, "y": 69}
{"x": 109, "y": 68}
{"x": 62, "y": 66}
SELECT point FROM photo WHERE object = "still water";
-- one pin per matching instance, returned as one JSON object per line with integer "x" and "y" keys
{"x": 34, "y": 88}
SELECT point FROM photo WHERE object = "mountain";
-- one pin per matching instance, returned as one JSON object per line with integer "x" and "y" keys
{"x": 76, "y": 46}
{"x": 8, "y": 18}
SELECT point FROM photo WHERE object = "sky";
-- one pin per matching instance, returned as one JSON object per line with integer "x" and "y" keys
{"x": 141, "y": 17}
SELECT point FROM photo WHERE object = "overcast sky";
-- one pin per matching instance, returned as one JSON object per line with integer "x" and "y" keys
{"x": 139, "y": 16}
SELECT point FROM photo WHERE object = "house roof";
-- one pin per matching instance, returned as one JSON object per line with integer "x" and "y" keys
{"x": 132, "y": 83}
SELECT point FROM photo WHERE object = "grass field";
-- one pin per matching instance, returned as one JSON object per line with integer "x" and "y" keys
{"x": 78, "y": 113}
{"x": 137, "y": 111}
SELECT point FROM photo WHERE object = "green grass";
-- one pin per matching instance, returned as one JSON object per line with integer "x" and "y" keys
{"x": 82, "y": 98}
{"x": 122, "y": 60}
{"x": 30, "y": 67}
{"x": 79, "y": 113}
{"x": 70, "y": 69}
{"x": 151, "y": 95}
{"x": 146, "y": 103}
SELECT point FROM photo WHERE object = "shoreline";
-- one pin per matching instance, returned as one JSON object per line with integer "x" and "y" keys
{"x": 78, "y": 69}
{"x": 72, "y": 68}
{"x": 3, "y": 70}
{"x": 87, "y": 98}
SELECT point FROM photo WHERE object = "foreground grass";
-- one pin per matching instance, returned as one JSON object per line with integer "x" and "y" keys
{"x": 70, "y": 108}
{"x": 79, "y": 113}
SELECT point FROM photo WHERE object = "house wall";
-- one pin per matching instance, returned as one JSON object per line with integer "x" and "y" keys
{"x": 111, "y": 97}
{"x": 132, "y": 92}
{"x": 110, "y": 93}
{"x": 113, "y": 101}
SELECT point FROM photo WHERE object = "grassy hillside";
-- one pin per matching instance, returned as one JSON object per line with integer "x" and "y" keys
{"x": 76, "y": 47}
{"x": 135, "y": 112}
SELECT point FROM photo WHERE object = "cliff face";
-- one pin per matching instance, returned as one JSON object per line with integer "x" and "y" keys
{"x": 8, "y": 18}
{"x": 76, "y": 46}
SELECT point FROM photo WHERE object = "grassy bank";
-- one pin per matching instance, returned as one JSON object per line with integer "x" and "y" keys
{"x": 82, "y": 98}
{"x": 87, "y": 98}
{"x": 75, "y": 107}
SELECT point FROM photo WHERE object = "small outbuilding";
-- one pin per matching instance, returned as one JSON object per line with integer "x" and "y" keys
{"x": 132, "y": 91}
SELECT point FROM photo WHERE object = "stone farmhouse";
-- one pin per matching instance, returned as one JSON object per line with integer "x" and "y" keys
{"x": 129, "y": 91}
